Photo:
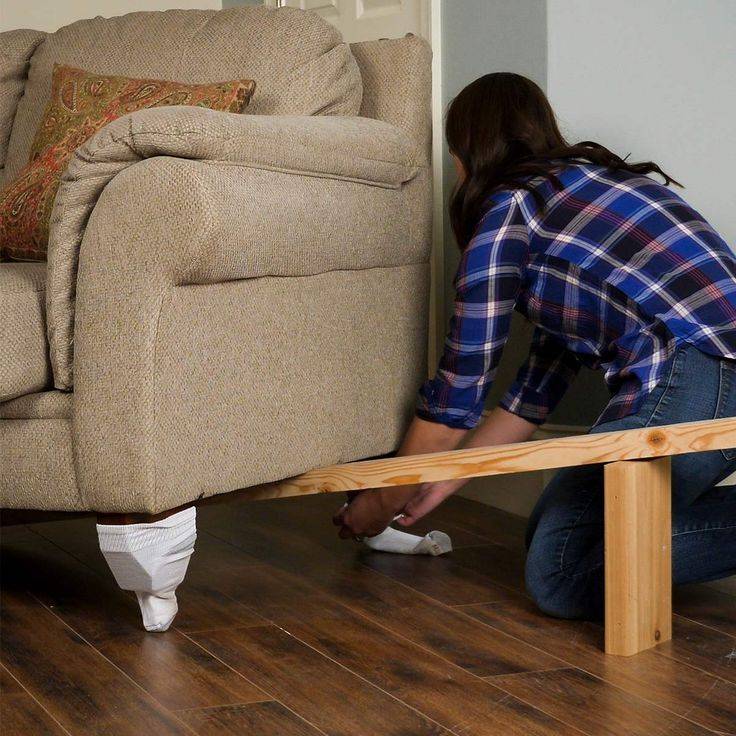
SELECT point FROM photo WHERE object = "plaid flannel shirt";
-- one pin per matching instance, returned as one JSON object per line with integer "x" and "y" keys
{"x": 614, "y": 273}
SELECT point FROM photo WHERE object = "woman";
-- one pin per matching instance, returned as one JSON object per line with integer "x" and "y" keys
{"x": 616, "y": 272}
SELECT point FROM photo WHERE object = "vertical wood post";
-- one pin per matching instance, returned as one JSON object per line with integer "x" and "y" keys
{"x": 638, "y": 555}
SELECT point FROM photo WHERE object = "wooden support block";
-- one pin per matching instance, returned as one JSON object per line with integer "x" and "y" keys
{"x": 638, "y": 555}
{"x": 524, "y": 457}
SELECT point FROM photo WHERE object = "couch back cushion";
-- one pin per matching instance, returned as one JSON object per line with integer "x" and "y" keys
{"x": 298, "y": 60}
{"x": 397, "y": 86}
{"x": 16, "y": 48}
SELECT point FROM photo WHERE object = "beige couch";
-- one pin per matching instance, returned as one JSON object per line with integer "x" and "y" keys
{"x": 229, "y": 299}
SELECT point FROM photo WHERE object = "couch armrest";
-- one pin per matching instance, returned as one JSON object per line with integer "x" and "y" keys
{"x": 223, "y": 312}
{"x": 357, "y": 150}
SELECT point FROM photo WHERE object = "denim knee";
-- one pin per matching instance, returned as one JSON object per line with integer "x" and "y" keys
{"x": 544, "y": 585}
{"x": 558, "y": 593}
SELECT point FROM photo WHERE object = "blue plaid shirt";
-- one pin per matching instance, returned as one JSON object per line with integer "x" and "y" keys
{"x": 615, "y": 273}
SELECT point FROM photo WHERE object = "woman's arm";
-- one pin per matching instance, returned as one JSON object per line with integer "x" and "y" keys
{"x": 372, "y": 511}
{"x": 499, "y": 428}
{"x": 487, "y": 284}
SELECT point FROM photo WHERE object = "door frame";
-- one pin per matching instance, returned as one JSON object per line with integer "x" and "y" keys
{"x": 432, "y": 31}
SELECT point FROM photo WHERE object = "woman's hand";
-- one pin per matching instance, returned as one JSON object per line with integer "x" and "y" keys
{"x": 370, "y": 512}
{"x": 426, "y": 499}
{"x": 499, "y": 428}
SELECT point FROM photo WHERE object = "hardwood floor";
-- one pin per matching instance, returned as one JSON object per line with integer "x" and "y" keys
{"x": 284, "y": 630}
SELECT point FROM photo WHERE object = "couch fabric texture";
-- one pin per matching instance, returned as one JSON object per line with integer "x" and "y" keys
{"x": 81, "y": 104}
{"x": 234, "y": 148}
{"x": 298, "y": 61}
{"x": 231, "y": 299}
{"x": 16, "y": 49}
{"x": 24, "y": 361}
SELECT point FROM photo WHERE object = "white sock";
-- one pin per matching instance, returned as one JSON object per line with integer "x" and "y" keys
{"x": 151, "y": 559}
{"x": 402, "y": 543}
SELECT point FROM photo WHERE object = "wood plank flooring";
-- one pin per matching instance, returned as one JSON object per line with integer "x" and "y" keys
{"x": 284, "y": 630}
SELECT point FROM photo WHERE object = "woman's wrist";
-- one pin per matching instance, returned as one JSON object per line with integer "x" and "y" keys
{"x": 425, "y": 437}
{"x": 453, "y": 486}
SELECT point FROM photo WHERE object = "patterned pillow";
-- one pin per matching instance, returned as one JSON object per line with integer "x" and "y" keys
{"x": 81, "y": 104}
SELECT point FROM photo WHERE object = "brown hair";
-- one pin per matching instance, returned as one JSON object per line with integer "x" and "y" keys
{"x": 504, "y": 131}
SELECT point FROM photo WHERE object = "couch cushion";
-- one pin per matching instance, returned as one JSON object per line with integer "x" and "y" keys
{"x": 297, "y": 58}
{"x": 16, "y": 48}
{"x": 37, "y": 469}
{"x": 24, "y": 355}
{"x": 81, "y": 104}
{"x": 43, "y": 405}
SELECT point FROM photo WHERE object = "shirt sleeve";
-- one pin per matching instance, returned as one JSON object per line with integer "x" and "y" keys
{"x": 542, "y": 380}
{"x": 487, "y": 285}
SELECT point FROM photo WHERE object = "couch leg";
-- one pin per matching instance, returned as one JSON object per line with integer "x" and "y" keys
{"x": 150, "y": 556}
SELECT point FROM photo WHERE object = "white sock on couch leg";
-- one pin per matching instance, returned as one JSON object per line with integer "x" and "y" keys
{"x": 151, "y": 560}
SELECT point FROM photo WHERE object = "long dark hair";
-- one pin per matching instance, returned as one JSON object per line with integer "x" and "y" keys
{"x": 503, "y": 130}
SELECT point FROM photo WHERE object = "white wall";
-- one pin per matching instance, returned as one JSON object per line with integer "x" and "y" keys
{"x": 650, "y": 77}
{"x": 656, "y": 79}
{"x": 48, "y": 15}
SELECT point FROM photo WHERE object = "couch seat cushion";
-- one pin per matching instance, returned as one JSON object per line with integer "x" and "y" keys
{"x": 24, "y": 354}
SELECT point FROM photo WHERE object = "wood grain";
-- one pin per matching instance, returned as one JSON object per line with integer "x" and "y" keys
{"x": 8, "y": 684}
{"x": 300, "y": 537}
{"x": 252, "y": 719}
{"x": 59, "y": 581}
{"x": 106, "y": 617}
{"x": 489, "y": 523}
{"x": 503, "y": 565}
{"x": 443, "y": 578}
{"x": 671, "y": 684}
{"x": 401, "y": 641}
{"x": 293, "y": 602}
{"x": 707, "y": 606}
{"x": 288, "y": 584}
{"x": 324, "y": 693}
{"x": 201, "y": 605}
{"x": 359, "y": 642}
{"x": 702, "y": 647}
{"x": 594, "y": 706}
{"x": 201, "y": 680}
{"x": 638, "y": 555}
{"x": 428, "y": 682}
{"x": 23, "y": 716}
{"x": 75, "y": 683}
{"x": 20, "y": 714}
{"x": 310, "y": 580}
{"x": 632, "y": 444}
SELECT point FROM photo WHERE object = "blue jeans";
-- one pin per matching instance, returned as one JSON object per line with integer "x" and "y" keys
{"x": 564, "y": 567}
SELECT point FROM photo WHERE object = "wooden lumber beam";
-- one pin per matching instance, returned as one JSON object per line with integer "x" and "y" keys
{"x": 638, "y": 555}
{"x": 632, "y": 444}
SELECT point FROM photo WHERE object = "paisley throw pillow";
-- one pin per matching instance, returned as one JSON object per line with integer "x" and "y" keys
{"x": 81, "y": 104}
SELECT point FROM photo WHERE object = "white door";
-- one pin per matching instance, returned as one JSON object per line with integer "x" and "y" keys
{"x": 365, "y": 20}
